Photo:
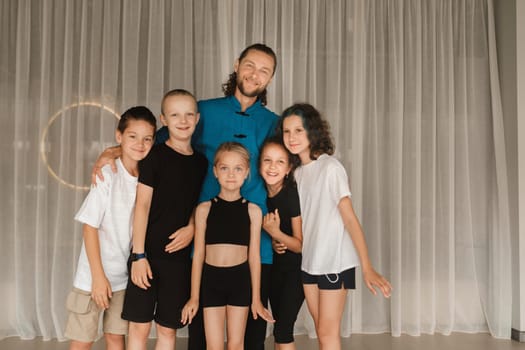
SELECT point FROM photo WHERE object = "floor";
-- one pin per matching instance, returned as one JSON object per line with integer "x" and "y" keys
{"x": 455, "y": 341}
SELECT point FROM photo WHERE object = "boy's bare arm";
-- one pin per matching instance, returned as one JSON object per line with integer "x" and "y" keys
{"x": 108, "y": 156}
{"x": 100, "y": 286}
{"x": 140, "y": 269}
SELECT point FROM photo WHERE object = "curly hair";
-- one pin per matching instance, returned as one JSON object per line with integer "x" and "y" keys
{"x": 228, "y": 88}
{"x": 317, "y": 128}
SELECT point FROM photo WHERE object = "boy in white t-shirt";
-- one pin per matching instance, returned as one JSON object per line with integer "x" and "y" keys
{"x": 106, "y": 214}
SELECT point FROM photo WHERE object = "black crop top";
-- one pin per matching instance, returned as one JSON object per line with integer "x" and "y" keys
{"x": 228, "y": 222}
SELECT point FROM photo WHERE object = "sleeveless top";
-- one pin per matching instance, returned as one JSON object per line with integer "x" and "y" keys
{"x": 228, "y": 222}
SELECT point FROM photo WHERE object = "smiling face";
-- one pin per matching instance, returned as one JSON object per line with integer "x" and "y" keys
{"x": 254, "y": 73}
{"x": 274, "y": 166}
{"x": 295, "y": 138}
{"x": 136, "y": 140}
{"x": 180, "y": 116}
{"x": 231, "y": 169}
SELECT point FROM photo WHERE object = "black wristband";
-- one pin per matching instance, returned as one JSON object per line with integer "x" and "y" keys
{"x": 137, "y": 256}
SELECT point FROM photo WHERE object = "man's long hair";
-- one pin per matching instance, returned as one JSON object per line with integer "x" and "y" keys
{"x": 229, "y": 87}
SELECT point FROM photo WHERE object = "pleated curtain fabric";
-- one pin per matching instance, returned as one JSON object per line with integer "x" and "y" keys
{"x": 410, "y": 89}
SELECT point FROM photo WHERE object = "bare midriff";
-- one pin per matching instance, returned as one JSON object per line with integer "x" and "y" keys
{"x": 225, "y": 255}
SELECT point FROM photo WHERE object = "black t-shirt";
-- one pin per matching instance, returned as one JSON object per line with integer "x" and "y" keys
{"x": 176, "y": 180}
{"x": 287, "y": 201}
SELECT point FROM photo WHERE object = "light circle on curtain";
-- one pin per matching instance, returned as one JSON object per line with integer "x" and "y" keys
{"x": 46, "y": 129}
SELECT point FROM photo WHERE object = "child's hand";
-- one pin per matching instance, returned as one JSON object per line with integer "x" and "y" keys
{"x": 101, "y": 292}
{"x": 107, "y": 157}
{"x": 141, "y": 273}
{"x": 180, "y": 239}
{"x": 189, "y": 311}
{"x": 259, "y": 310}
{"x": 272, "y": 222}
{"x": 279, "y": 247}
{"x": 374, "y": 279}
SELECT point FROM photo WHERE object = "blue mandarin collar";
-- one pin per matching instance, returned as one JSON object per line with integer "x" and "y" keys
{"x": 237, "y": 105}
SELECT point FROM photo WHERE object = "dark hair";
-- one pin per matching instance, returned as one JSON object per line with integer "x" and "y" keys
{"x": 136, "y": 113}
{"x": 176, "y": 92}
{"x": 317, "y": 128}
{"x": 292, "y": 159}
{"x": 229, "y": 87}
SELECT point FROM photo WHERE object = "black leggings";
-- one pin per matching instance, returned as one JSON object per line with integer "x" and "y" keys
{"x": 286, "y": 298}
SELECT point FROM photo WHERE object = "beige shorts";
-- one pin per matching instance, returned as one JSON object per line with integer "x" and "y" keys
{"x": 84, "y": 316}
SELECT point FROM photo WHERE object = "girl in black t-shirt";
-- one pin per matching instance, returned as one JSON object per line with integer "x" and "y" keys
{"x": 283, "y": 224}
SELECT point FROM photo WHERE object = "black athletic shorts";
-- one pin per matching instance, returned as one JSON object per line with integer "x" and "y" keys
{"x": 332, "y": 280}
{"x": 222, "y": 286}
{"x": 164, "y": 300}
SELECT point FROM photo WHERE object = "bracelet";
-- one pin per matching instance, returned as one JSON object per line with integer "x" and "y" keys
{"x": 138, "y": 256}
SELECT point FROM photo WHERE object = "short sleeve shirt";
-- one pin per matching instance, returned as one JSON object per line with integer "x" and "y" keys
{"x": 176, "y": 180}
{"x": 287, "y": 202}
{"x": 108, "y": 207}
{"x": 327, "y": 246}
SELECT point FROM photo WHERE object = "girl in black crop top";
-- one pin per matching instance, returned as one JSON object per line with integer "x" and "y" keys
{"x": 219, "y": 228}
{"x": 227, "y": 235}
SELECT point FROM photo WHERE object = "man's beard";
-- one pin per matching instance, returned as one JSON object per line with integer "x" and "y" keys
{"x": 254, "y": 93}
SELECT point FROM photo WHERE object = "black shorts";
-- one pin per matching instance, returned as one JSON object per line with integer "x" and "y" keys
{"x": 332, "y": 280}
{"x": 164, "y": 300}
{"x": 222, "y": 286}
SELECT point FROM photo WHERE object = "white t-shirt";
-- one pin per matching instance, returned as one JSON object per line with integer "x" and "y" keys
{"x": 327, "y": 246}
{"x": 109, "y": 208}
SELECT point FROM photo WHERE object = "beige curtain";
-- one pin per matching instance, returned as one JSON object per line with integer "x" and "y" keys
{"x": 409, "y": 87}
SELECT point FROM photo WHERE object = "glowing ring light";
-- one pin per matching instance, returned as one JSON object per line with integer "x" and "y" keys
{"x": 44, "y": 136}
